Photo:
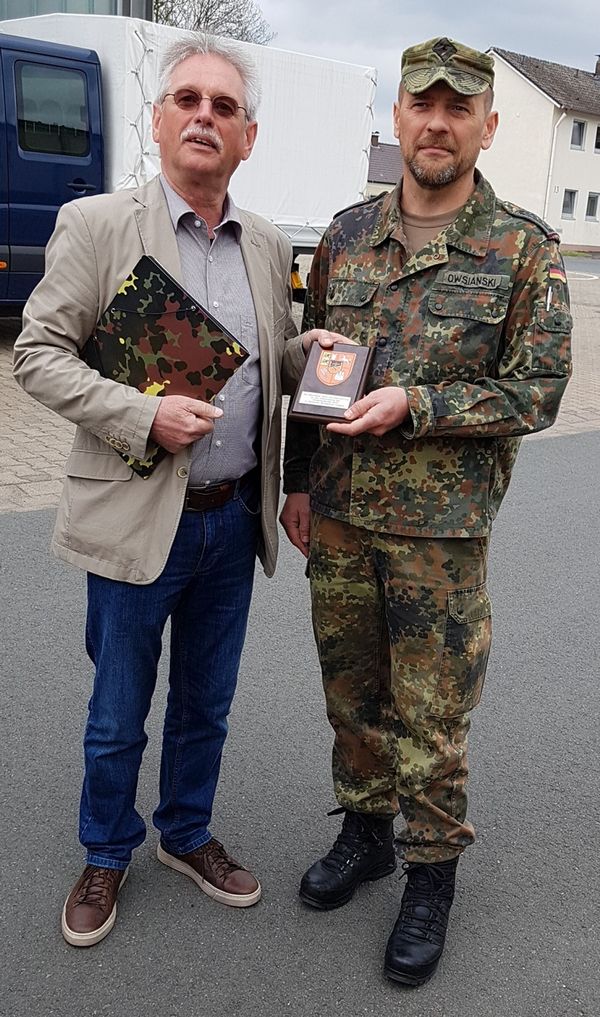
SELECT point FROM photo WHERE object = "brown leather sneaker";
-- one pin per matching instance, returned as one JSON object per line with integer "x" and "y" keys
{"x": 217, "y": 873}
{"x": 91, "y": 908}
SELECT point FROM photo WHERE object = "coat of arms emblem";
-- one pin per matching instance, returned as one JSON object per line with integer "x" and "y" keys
{"x": 335, "y": 366}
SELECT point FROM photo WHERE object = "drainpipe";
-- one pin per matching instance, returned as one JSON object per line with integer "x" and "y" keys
{"x": 551, "y": 166}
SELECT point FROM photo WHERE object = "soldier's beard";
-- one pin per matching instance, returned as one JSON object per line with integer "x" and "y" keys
{"x": 428, "y": 176}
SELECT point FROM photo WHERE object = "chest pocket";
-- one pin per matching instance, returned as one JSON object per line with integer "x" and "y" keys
{"x": 462, "y": 333}
{"x": 350, "y": 308}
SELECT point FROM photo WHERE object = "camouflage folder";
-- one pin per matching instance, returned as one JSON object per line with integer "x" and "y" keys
{"x": 156, "y": 337}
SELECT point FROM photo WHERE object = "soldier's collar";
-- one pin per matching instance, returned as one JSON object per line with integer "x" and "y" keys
{"x": 471, "y": 230}
{"x": 389, "y": 218}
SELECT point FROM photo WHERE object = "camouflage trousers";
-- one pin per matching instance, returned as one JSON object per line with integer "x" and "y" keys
{"x": 403, "y": 629}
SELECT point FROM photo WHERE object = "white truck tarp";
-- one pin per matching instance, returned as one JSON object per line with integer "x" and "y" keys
{"x": 315, "y": 120}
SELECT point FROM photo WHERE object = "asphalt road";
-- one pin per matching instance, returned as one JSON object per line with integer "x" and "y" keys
{"x": 524, "y": 935}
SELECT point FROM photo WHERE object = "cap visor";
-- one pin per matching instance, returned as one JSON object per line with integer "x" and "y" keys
{"x": 462, "y": 82}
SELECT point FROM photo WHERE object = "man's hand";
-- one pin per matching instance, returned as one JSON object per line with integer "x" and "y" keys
{"x": 180, "y": 420}
{"x": 295, "y": 519}
{"x": 377, "y": 412}
{"x": 323, "y": 338}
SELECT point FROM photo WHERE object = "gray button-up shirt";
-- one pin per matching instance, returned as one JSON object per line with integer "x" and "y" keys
{"x": 215, "y": 275}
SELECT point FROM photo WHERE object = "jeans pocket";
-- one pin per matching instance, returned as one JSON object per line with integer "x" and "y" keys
{"x": 249, "y": 498}
{"x": 467, "y": 642}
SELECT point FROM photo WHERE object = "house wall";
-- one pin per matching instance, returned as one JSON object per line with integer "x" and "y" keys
{"x": 577, "y": 170}
{"x": 517, "y": 164}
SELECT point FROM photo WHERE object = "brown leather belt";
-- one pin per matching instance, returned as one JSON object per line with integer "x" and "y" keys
{"x": 201, "y": 499}
{"x": 198, "y": 500}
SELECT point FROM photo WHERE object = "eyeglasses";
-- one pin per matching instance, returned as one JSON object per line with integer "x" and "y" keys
{"x": 223, "y": 106}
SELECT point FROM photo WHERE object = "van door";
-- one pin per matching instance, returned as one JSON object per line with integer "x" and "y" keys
{"x": 3, "y": 201}
{"x": 54, "y": 151}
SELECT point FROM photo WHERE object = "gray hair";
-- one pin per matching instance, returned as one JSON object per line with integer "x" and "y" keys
{"x": 202, "y": 44}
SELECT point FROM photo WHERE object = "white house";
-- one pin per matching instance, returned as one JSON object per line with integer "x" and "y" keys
{"x": 546, "y": 154}
{"x": 385, "y": 166}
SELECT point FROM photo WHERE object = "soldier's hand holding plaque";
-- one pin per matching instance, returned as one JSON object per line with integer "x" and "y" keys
{"x": 333, "y": 379}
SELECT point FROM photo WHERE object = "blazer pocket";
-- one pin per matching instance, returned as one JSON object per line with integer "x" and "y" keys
{"x": 87, "y": 465}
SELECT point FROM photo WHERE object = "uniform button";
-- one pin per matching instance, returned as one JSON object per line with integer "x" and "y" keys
{"x": 221, "y": 398}
{"x": 394, "y": 286}
{"x": 197, "y": 222}
{"x": 439, "y": 306}
{"x": 381, "y": 342}
{"x": 218, "y": 443}
{"x": 210, "y": 258}
{"x": 215, "y": 303}
{"x": 182, "y": 471}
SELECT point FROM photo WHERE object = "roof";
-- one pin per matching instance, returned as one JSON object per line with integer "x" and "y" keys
{"x": 385, "y": 164}
{"x": 569, "y": 86}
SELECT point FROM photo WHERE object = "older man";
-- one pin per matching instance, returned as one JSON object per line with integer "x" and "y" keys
{"x": 464, "y": 298}
{"x": 182, "y": 543}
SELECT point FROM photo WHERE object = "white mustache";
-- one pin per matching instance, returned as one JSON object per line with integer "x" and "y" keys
{"x": 203, "y": 134}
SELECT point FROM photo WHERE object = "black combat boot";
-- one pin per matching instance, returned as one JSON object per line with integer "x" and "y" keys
{"x": 363, "y": 850}
{"x": 417, "y": 940}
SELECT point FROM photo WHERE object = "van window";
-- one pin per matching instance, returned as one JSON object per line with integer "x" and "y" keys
{"x": 52, "y": 112}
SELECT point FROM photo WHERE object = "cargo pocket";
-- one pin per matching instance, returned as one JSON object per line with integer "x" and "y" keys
{"x": 465, "y": 654}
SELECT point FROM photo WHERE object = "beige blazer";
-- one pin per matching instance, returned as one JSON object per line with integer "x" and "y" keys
{"x": 110, "y": 521}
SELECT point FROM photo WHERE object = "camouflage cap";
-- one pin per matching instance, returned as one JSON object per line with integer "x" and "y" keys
{"x": 467, "y": 71}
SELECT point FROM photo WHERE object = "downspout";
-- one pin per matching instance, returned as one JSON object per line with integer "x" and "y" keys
{"x": 551, "y": 166}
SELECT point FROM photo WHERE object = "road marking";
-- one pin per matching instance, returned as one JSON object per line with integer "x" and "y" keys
{"x": 582, "y": 276}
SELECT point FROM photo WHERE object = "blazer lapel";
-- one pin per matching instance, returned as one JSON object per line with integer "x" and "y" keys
{"x": 156, "y": 229}
{"x": 256, "y": 261}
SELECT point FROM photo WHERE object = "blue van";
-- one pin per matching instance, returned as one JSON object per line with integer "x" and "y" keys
{"x": 51, "y": 151}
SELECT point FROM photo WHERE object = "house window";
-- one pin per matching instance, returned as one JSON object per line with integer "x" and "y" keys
{"x": 591, "y": 209}
{"x": 597, "y": 141}
{"x": 578, "y": 134}
{"x": 568, "y": 206}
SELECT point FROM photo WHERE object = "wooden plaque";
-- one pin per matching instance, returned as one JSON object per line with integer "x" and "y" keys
{"x": 333, "y": 379}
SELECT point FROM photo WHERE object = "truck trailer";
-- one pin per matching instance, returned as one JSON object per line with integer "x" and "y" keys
{"x": 76, "y": 95}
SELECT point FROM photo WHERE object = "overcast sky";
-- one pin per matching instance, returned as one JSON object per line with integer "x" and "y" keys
{"x": 374, "y": 32}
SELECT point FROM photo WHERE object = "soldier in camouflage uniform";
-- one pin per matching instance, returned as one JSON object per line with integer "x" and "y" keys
{"x": 464, "y": 298}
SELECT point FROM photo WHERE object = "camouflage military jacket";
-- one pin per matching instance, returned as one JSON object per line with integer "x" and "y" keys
{"x": 475, "y": 326}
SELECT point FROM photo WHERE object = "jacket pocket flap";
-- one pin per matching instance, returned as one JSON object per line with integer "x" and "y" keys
{"x": 350, "y": 292}
{"x": 97, "y": 466}
{"x": 469, "y": 605}
{"x": 488, "y": 307}
{"x": 555, "y": 319}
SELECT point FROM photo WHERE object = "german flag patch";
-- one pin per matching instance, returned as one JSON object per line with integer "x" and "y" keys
{"x": 557, "y": 273}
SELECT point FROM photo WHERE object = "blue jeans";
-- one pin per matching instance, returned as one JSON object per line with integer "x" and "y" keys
{"x": 205, "y": 588}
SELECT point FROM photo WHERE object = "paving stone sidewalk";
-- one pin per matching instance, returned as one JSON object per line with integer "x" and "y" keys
{"x": 34, "y": 441}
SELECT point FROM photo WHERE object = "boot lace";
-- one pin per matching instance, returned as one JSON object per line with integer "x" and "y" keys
{"x": 351, "y": 842}
{"x": 426, "y": 901}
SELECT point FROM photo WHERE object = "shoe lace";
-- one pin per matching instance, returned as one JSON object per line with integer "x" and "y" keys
{"x": 96, "y": 886}
{"x": 222, "y": 864}
{"x": 426, "y": 901}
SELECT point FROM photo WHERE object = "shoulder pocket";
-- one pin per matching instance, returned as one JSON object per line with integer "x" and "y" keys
{"x": 556, "y": 319}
